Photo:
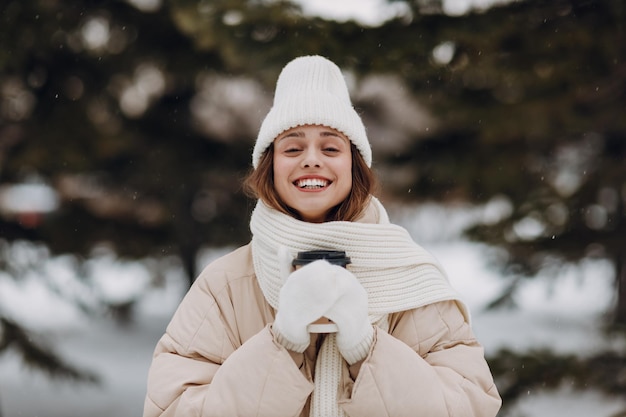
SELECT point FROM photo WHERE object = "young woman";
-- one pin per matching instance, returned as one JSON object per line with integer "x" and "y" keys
{"x": 239, "y": 343}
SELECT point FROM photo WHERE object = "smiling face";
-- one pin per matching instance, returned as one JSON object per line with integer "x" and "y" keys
{"x": 312, "y": 170}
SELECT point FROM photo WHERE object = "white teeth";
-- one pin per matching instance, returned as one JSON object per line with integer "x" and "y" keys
{"x": 312, "y": 183}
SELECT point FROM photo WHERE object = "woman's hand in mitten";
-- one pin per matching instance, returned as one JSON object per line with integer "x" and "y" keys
{"x": 305, "y": 296}
{"x": 355, "y": 332}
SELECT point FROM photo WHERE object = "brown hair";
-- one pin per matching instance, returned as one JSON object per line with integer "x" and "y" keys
{"x": 260, "y": 184}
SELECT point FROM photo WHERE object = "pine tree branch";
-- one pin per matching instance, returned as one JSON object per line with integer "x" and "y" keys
{"x": 36, "y": 355}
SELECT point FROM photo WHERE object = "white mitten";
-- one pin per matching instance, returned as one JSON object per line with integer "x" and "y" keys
{"x": 304, "y": 297}
{"x": 355, "y": 333}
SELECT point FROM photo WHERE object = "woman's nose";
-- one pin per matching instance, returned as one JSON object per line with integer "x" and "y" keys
{"x": 311, "y": 159}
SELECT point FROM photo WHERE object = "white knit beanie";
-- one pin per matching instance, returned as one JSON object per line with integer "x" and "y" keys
{"x": 312, "y": 91}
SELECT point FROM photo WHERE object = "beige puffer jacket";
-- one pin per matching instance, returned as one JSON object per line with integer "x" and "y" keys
{"x": 219, "y": 358}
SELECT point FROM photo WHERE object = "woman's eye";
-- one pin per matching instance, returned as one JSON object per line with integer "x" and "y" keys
{"x": 331, "y": 149}
{"x": 292, "y": 150}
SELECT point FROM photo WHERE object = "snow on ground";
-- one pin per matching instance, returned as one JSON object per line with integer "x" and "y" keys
{"x": 565, "y": 317}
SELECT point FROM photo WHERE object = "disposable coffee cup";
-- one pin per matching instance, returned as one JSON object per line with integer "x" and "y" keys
{"x": 334, "y": 257}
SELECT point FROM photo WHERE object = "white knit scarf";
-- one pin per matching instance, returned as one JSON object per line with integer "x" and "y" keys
{"x": 397, "y": 273}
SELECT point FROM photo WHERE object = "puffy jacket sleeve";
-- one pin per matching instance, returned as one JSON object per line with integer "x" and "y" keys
{"x": 205, "y": 365}
{"x": 430, "y": 364}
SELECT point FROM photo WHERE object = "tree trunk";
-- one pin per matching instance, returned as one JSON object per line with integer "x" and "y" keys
{"x": 186, "y": 233}
{"x": 620, "y": 277}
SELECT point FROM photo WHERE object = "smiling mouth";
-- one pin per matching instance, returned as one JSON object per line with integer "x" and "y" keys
{"x": 311, "y": 183}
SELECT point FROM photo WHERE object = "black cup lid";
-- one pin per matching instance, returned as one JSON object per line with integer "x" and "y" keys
{"x": 335, "y": 257}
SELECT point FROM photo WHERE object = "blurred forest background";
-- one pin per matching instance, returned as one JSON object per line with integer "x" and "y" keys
{"x": 126, "y": 127}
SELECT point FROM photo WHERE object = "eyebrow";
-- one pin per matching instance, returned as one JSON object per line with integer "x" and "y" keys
{"x": 300, "y": 134}
{"x": 294, "y": 134}
{"x": 330, "y": 133}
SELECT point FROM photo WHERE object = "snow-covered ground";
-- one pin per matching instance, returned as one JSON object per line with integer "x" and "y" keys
{"x": 563, "y": 315}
